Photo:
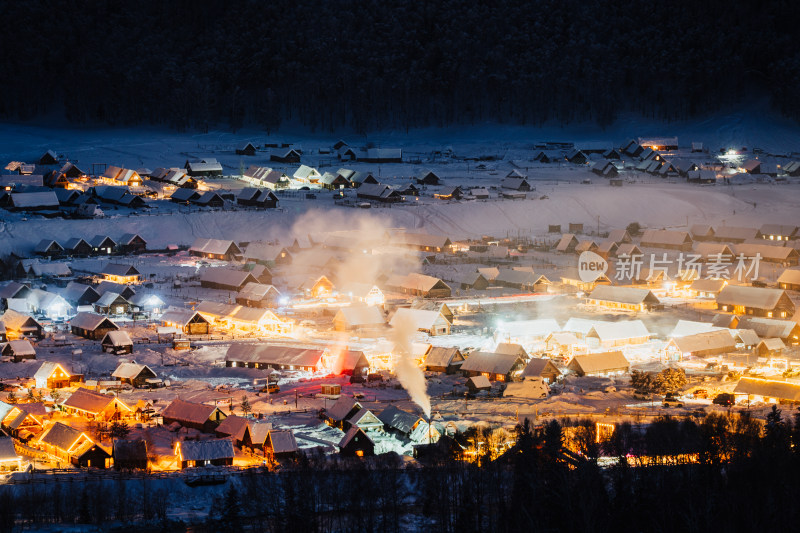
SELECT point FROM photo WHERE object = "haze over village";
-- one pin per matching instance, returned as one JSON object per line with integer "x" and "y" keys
{"x": 398, "y": 273}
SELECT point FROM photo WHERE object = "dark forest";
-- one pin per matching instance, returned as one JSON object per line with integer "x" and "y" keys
{"x": 366, "y": 64}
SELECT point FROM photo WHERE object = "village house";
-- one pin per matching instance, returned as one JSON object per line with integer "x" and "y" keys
{"x": 78, "y": 247}
{"x": 225, "y": 279}
{"x": 542, "y": 368}
{"x": 790, "y": 279}
{"x": 236, "y": 428}
{"x": 19, "y": 325}
{"x": 784, "y": 256}
{"x": 246, "y": 148}
{"x": 253, "y": 197}
{"x": 317, "y": 287}
{"x": 766, "y": 390}
{"x": 514, "y": 183}
{"x": 712, "y": 252}
{"x": 365, "y": 293}
{"x": 419, "y": 285}
{"x": 562, "y": 344}
{"x": 441, "y": 359}
{"x": 399, "y": 421}
{"x": 522, "y": 280}
{"x": 599, "y": 364}
{"x": 204, "y": 167}
{"x": 363, "y": 178}
{"x": 422, "y": 242}
{"x": 779, "y": 232}
{"x": 280, "y": 445}
{"x": 493, "y": 366}
{"x": 91, "y": 325}
{"x": 73, "y": 447}
{"x": 735, "y": 234}
{"x": 130, "y": 454}
{"x": 215, "y": 249}
{"x": 673, "y": 240}
{"x": 707, "y": 288}
{"x": 356, "y": 443}
{"x": 103, "y": 244}
{"x": 476, "y": 384}
{"x": 126, "y": 291}
{"x": 379, "y": 192}
{"x": 567, "y": 244}
{"x": 469, "y": 280}
{"x": 18, "y": 350}
{"x": 111, "y": 303}
{"x": 251, "y": 319}
{"x": 357, "y": 318}
{"x": 258, "y": 295}
{"x": 787, "y": 330}
{"x": 131, "y": 243}
{"x": 200, "y": 453}
{"x": 757, "y": 301}
{"x": 343, "y": 409}
{"x": 621, "y": 333}
{"x": 117, "y": 342}
{"x": 9, "y": 460}
{"x": 134, "y": 374}
{"x": 700, "y": 345}
{"x": 431, "y": 322}
{"x": 623, "y": 298}
{"x": 770, "y": 348}
{"x": 147, "y": 303}
{"x": 197, "y": 416}
{"x": 52, "y": 375}
{"x": 48, "y": 248}
{"x": 186, "y": 320}
{"x": 267, "y": 254}
{"x": 121, "y": 176}
{"x": 278, "y": 357}
{"x": 95, "y": 406}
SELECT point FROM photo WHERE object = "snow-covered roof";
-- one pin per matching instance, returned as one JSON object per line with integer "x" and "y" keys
{"x": 89, "y": 321}
{"x": 627, "y": 295}
{"x": 117, "y": 338}
{"x": 181, "y": 410}
{"x": 782, "y": 390}
{"x": 420, "y": 318}
{"x": 756, "y": 297}
{"x": 491, "y": 362}
{"x": 233, "y": 426}
{"x": 274, "y": 354}
{"x": 282, "y": 441}
{"x": 90, "y": 401}
{"x": 214, "y": 246}
{"x": 131, "y": 371}
{"x": 719, "y": 340}
{"x": 599, "y": 362}
{"x": 361, "y": 316}
{"x": 395, "y": 418}
{"x": 627, "y": 329}
{"x": 204, "y": 450}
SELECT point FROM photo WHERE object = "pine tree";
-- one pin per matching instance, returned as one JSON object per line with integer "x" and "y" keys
{"x": 245, "y": 405}
{"x": 119, "y": 429}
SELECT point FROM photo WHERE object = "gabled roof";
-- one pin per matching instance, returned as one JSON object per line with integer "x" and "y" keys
{"x": 196, "y": 413}
{"x": 351, "y": 434}
{"x": 600, "y": 362}
{"x": 204, "y": 450}
{"x": 567, "y": 240}
{"x": 132, "y": 371}
{"x": 89, "y": 321}
{"x": 734, "y": 233}
{"x": 627, "y": 329}
{"x": 282, "y": 441}
{"x": 15, "y": 321}
{"x": 226, "y": 276}
{"x": 538, "y": 366}
{"x": 342, "y": 407}
{"x": 395, "y": 418}
{"x": 118, "y": 269}
{"x": 91, "y": 402}
{"x": 790, "y": 276}
{"x": 179, "y": 315}
{"x": 256, "y": 291}
{"x": 234, "y": 426}
{"x": 719, "y": 340}
{"x": 62, "y": 436}
{"x": 48, "y": 368}
{"x": 441, "y": 356}
{"x": 274, "y": 353}
{"x": 768, "y": 327}
{"x": 214, "y": 246}
{"x": 782, "y": 390}
{"x": 665, "y": 237}
{"x": 756, "y": 297}
{"x": 626, "y": 295}
{"x": 263, "y": 251}
{"x": 491, "y": 362}
{"x": 117, "y": 338}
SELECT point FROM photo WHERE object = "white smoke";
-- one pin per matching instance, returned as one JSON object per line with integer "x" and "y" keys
{"x": 409, "y": 374}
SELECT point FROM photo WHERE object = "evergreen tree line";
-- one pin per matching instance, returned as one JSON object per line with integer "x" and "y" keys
{"x": 364, "y": 64}
{"x": 719, "y": 473}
